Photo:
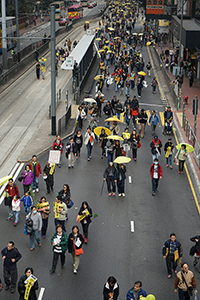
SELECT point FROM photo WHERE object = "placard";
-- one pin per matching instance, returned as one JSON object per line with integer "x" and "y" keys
{"x": 54, "y": 156}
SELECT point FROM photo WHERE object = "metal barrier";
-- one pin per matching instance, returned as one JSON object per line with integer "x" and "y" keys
{"x": 192, "y": 139}
{"x": 63, "y": 121}
{"x": 58, "y": 100}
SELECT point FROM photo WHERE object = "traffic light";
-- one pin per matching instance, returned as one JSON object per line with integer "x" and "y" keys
{"x": 195, "y": 107}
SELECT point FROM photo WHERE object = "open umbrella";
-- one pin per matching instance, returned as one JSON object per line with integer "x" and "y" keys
{"x": 107, "y": 42}
{"x": 122, "y": 160}
{"x": 142, "y": 73}
{"x": 89, "y": 100}
{"x": 135, "y": 33}
{"x": 116, "y": 38}
{"x": 111, "y": 29}
{"x": 98, "y": 39}
{"x": 112, "y": 119}
{"x": 87, "y": 22}
{"x": 98, "y": 77}
{"x": 115, "y": 137}
{"x": 109, "y": 51}
{"x": 189, "y": 147}
{"x": 140, "y": 33}
{"x": 148, "y": 43}
{"x": 101, "y": 50}
{"x": 98, "y": 130}
{"x": 98, "y": 28}
{"x": 4, "y": 179}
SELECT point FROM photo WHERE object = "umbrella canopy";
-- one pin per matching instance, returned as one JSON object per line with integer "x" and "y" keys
{"x": 98, "y": 39}
{"x": 98, "y": 130}
{"x": 112, "y": 119}
{"x": 111, "y": 29}
{"x": 116, "y": 38}
{"x": 122, "y": 160}
{"x": 98, "y": 77}
{"x": 142, "y": 73}
{"x": 140, "y": 34}
{"x": 135, "y": 33}
{"x": 109, "y": 51}
{"x": 189, "y": 147}
{"x": 115, "y": 137}
{"x": 4, "y": 179}
{"x": 98, "y": 28}
{"x": 101, "y": 50}
{"x": 87, "y": 22}
{"x": 89, "y": 100}
{"x": 148, "y": 43}
{"x": 106, "y": 42}
{"x": 99, "y": 94}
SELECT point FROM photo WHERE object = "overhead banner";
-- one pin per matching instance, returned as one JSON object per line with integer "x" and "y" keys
{"x": 154, "y": 7}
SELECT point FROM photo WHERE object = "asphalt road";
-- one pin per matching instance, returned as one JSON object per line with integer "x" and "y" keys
{"x": 112, "y": 248}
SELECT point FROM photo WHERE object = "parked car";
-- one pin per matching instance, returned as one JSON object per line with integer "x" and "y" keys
{"x": 63, "y": 22}
{"x": 90, "y": 4}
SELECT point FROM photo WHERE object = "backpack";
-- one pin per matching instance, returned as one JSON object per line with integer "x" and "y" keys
{"x": 29, "y": 225}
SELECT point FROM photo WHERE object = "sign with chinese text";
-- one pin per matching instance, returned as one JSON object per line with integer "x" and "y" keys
{"x": 154, "y": 7}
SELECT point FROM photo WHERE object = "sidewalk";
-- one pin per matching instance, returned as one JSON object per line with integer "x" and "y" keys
{"x": 38, "y": 23}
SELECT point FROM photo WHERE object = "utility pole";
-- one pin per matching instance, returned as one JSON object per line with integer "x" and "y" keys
{"x": 53, "y": 73}
{"x": 180, "y": 37}
{"x": 195, "y": 112}
{"x": 17, "y": 24}
{"x": 4, "y": 41}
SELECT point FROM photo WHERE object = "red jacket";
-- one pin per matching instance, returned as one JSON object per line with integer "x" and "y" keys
{"x": 134, "y": 112}
{"x": 12, "y": 190}
{"x": 160, "y": 171}
{"x": 58, "y": 146}
{"x": 38, "y": 168}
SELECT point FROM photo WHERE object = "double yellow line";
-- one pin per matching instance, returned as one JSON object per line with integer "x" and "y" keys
{"x": 186, "y": 169}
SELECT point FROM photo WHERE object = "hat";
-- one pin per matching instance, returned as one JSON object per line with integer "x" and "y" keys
{"x": 169, "y": 138}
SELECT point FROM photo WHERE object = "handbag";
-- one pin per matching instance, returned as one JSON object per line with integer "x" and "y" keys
{"x": 70, "y": 204}
{"x": 123, "y": 153}
{"x": 19, "y": 178}
{"x": 8, "y": 201}
{"x": 189, "y": 288}
{"x": 77, "y": 251}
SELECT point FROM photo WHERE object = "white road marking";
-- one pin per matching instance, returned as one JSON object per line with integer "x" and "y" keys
{"x": 39, "y": 82}
{"x": 130, "y": 180}
{"x": 29, "y": 94}
{"x": 6, "y": 120}
{"x": 148, "y": 104}
{"x": 41, "y": 293}
{"x": 132, "y": 226}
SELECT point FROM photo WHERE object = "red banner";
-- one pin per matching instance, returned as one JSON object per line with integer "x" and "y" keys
{"x": 154, "y": 7}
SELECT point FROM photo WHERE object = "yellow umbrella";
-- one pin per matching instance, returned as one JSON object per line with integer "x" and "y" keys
{"x": 89, "y": 100}
{"x": 106, "y": 42}
{"x": 98, "y": 130}
{"x": 98, "y": 39}
{"x": 110, "y": 28}
{"x": 112, "y": 119}
{"x": 148, "y": 43}
{"x": 122, "y": 160}
{"x": 98, "y": 28}
{"x": 142, "y": 73}
{"x": 115, "y": 137}
{"x": 150, "y": 297}
{"x": 135, "y": 33}
{"x": 101, "y": 50}
{"x": 106, "y": 47}
{"x": 116, "y": 38}
{"x": 109, "y": 51}
{"x": 87, "y": 22}
{"x": 140, "y": 34}
{"x": 189, "y": 147}
{"x": 4, "y": 179}
{"x": 99, "y": 77}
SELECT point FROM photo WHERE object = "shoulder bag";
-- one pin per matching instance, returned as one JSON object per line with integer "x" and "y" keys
{"x": 189, "y": 288}
{"x": 77, "y": 251}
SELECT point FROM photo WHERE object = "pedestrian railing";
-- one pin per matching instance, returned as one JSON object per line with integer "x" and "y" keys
{"x": 58, "y": 100}
{"x": 63, "y": 121}
{"x": 192, "y": 139}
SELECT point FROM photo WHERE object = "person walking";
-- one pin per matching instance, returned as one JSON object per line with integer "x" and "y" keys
{"x": 136, "y": 292}
{"x": 89, "y": 142}
{"x": 191, "y": 78}
{"x": 172, "y": 251}
{"x": 44, "y": 209}
{"x": 36, "y": 169}
{"x": 16, "y": 206}
{"x": 142, "y": 120}
{"x": 185, "y": 283}
{"x": 65, "y": 195}
{"x": 195, "y": 250}
{"x": 168, "y": 148}
{"x": 78, "y": 140}
{"x": 59, "y": 241}
{"x": 28, "y": 178}
{"x": 109, "y": 176}
{"x": 48, "y": 175}
{"x": 11, "y": 190}
{"x": 120, "y": 179}
{"x": 103, "y": 141}
{"x": 134, "y": 140}
{"x": 85, "y": 212}
{"x": 27, "y": 201}
{"x": 154, "y": 83}
{"x": 75, "y": 242}
{"x": 71, "y": 153}
{"x": 58, "y": 145}
{"x": 139, "y": 87}
{"x": 36, "y": 229}
{"x": 22, "y": 284}
{"x": 10, "y": 256}
{"x": 38, "y": 70}
{"x": 181, "y": 155}
{"x": 156, "y": 145}
{"x": 111, "y": 289}
{"x": 148, "y": 66}
{"x": 154, "y": 121}
{"x": 118, "y": 109}
{"x": 156, "y": 173}
{"x": 60, "y": 210}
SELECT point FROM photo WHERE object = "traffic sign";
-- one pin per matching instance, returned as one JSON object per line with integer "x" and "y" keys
{"x": 68, "y": 63}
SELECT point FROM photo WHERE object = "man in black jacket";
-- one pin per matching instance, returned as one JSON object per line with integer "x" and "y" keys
{"x": 142, "y": 120}
{"x": 11, "y": 256}
{"x": 70, "y": 153}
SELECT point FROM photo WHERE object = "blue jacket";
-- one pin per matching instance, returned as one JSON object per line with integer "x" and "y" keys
{"x": 156, "y": 119}
{"x": 131, "y": 296}
{"x": 27, "y": 200}
{"x": 178, "y": 249}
